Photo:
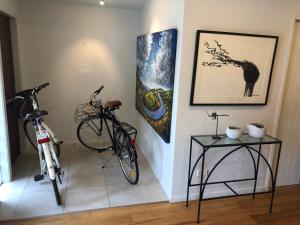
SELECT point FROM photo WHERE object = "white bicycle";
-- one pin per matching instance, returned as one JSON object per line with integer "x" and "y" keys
{"x": 41, "y": 137}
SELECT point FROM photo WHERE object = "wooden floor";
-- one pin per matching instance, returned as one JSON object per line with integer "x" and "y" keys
{"x": 229, "y": 211}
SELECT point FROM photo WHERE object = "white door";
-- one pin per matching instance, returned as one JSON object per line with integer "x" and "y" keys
{"x": 289, "y": 126}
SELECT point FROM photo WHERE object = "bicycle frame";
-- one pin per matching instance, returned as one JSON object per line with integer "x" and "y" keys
{"x": 115, "y": 121}
{"x": 46, "y": 148}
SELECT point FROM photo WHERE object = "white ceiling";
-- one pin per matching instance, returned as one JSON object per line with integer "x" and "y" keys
{"x": 127, "y": 4}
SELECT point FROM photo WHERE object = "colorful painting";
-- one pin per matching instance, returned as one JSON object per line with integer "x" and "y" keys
{"x": 156, "y": 56}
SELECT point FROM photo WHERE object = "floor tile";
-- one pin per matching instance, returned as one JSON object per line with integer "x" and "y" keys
{"x": 126, "y": 194}
{"x": 109, "y": 160}
{"x": 83, "y": 179}
{"x": 25, "y": 163}
{"x": 86, "y": 185}
{"x": 146, "y": 175}
{"x": 38, "y": 204}
{"x": 8, "y": 205}
{"x": 155, "y": 193}
{"x": 86, "y": 163}
{"x": 86, "y": 198}
{"x": 44, "y": 185}
{"x": 114, "y": 176}
{"x": 15, "y": 187}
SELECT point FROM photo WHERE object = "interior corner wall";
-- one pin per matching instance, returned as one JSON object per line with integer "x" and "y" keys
{"x": 158, "y": 15}
{"x": 9, "y": 7}
{"x": 257, "y": 17}
{"x": 77, "y": 48}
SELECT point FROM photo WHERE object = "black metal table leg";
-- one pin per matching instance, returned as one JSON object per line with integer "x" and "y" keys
{"x": 189, "y": 175}
{"x": 201, "y": 185}
{"x": 256, "y": 172}
{"x": 274, "y": 183}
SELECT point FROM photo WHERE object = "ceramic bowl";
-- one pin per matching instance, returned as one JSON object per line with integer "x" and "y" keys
{"x": 233, "y": 132}
{"x": 256, "y": 130}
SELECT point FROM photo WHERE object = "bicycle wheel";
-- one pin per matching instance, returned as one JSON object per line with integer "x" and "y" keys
{"x": 93, "y": 133}
{"x": 30, "y": 133}
{"x": 127, "y": 157}
{"x": 56, "y": 192}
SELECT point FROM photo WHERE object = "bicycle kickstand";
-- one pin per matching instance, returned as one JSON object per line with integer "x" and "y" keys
{"x": 108, "y": 160}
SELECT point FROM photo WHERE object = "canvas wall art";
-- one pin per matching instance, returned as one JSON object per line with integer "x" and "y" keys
{"x": 232, "y": 68}
{"x": 156, "y": 56}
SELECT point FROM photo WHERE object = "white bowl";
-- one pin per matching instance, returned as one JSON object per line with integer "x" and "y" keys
{"x": 256, "y": 130}
{"x": 233, "y": 132}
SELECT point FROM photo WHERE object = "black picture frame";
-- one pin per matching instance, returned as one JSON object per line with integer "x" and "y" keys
{"x": 212, "y": 64}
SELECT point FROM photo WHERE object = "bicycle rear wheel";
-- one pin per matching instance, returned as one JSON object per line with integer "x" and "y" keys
{"x": 127, "y": 157}
{"x": 94, "y": 134}
{"x": 30, "y": 133}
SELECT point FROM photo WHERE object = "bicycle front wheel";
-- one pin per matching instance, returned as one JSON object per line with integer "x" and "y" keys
{"x": 56, "y": 192}
{"x": 127, "y": 157}
{"x": 94, "y": 133}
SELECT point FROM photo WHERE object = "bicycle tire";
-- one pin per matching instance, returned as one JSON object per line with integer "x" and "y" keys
{"x": 57, "y": 150}
{"x": 31, "y": 137}
{"x": 88, "y": 136}
{"x": 126, "y": 149}
{"x": 30, "y": 133}
{"x": 56, "y": 192}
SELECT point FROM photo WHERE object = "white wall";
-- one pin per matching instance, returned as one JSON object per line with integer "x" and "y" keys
{"x": 257, "y": 17}
{"x": 5, "y": 165}
{"x": 77, "y": 48}
{"x": 158, "y": 15}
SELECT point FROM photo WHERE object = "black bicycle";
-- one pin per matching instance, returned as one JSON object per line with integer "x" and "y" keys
{"x": 100, "y": 129}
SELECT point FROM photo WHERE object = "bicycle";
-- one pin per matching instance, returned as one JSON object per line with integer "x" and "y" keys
{"x": 100, "y": 129}
{"x": 40, "y": 136}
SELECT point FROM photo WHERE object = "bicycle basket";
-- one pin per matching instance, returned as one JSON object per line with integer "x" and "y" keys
{"x": 84, "y": 111}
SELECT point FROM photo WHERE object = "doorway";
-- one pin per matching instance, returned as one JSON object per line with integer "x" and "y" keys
{"x": 9, "y": 86}
{"x": 289, "y": 125}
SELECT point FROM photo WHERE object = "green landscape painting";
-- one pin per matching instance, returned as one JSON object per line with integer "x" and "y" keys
{"x": 156, "y": 56}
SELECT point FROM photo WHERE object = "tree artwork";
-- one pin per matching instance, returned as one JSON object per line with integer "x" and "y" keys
{"x": 221, "y": 58}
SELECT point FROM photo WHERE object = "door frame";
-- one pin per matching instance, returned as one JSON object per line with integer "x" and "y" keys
{"x": 294, "y": 21}
{"x": 5, "y": 162}
{"x": 272, "y": 158}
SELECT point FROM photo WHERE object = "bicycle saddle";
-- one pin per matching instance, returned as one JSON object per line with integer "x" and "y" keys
{"x": 112, "y": 104}
{"x": 26, "y": 93}
{"x": 36, "y": 114}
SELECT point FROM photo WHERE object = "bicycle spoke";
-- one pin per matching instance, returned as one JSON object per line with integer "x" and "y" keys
{"x": 92, "y": 136}
{"x": 98, "y": 133}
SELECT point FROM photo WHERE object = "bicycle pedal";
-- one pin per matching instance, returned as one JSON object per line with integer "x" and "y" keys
{"x": 38, "y": 177}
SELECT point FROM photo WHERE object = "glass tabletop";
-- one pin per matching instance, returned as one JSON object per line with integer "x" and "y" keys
{"x": 208, "y": 141}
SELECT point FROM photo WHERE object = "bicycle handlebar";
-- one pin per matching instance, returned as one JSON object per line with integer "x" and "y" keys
{"x": 93, "y": 101}
{"x": 37, "y": 89}
{"x": 97, "y": 92}
{"x": 27, "y": 93}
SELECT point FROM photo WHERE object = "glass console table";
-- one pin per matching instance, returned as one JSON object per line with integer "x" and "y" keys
{"x": 244, "y": 143}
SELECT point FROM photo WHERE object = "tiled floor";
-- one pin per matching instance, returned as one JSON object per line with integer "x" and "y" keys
{"x": 85, "y": 186}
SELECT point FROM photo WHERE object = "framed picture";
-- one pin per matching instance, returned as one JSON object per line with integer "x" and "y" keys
{"x": 156, "y": 57}
{"x": 232, "y": 68}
